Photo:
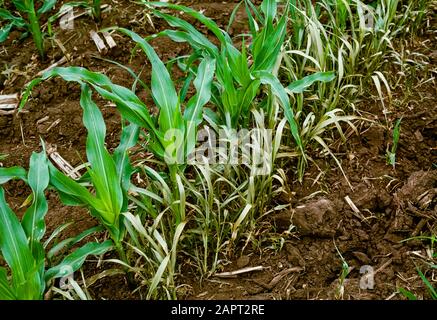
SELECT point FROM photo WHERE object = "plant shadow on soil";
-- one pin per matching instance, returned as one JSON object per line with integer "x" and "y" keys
{"x": 394, "y": 203}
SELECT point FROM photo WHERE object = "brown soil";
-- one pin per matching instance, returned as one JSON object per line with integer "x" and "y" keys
{"x": 393, "y": 203}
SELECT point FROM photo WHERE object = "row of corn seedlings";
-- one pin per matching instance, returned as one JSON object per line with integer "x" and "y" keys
{"x": 200, "y": 210}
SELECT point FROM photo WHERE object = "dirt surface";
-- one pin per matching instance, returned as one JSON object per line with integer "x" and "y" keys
{"x": 391, "y": 204}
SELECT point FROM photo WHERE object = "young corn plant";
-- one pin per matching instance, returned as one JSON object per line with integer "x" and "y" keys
{"x": 240, "y": 73}
{"x": 172, "y": 134}
{"x": 171, "y": 124}
{"x": 21, "y": 244}
{"x": 28, "y": 19}
{"x": 109, "y": 175}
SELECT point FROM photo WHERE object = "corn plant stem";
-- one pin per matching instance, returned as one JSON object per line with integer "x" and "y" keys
{"x": 35, "y": 29}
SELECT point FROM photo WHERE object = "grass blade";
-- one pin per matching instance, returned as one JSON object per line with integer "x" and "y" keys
{"x": 74, "y": 261}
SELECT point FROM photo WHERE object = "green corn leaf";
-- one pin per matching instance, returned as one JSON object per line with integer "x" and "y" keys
{"x": 56, "y": 233}
{"x": 21, "y": 5}
{"x": 233, "y": 16}
{"x": 16, "y": 252}
{"x": 238, "y": 64}
{"x": 11, "y": 173}
{"x": 268, "y": 7}
{"x": 130, "y": 106}
{"x": 253, "y": 26}
{"x": 209, "y": 23}
{"x": 163, "y": 90}
{"x": 74, "y": 261}
{"x": 4, "y": 32}
{"x": 38, "y": 179}
{"x": 103, "y": 171}
{"x": 74, "y": 193}
{"x": 300, "y": 85}
{"x": 6, "y": 292}
{"x": 195, "y": 38}
{"x": 255, "y": 10}
{"x": 6, "y": 15}
{"x": 193, "y": 111}
{"x": 129, "y": 138}
{"x": 47, "y": 6}
{"x": 279, "y": 91}
{"x": 249, "y": 95}
{"x": 268, "y": 44}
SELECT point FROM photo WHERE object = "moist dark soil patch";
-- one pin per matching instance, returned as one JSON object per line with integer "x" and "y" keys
{"x": 393, "y": 203}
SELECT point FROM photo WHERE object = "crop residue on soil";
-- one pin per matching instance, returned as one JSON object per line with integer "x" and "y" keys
{"x": 393, "y": 203}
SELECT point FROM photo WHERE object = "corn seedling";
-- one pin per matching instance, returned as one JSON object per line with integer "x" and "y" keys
{"x": 171, "y": 123}
{"x": 391, "y": 154}
{"x": 28, "y": 19}
{"x": 20, "y": 241}
{"x": 239, "y": 73}
{"x": 109, "y": 175}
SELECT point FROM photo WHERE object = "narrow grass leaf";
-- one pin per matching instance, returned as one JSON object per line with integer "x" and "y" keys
{"x": 74, "y": 261}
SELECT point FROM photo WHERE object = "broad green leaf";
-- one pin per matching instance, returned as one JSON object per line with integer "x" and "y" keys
{"x": 191, "y": 35}
{"x": 74, "y": 261}
{"x": 4, "y": 32}
{"x": 163, "y": 90}
{"x": 129, "y": 138}
{"x": 7, "y": 174}
{"x": 57, "y": 232}
{"x": 193, "y": 111}
{"x": 6, "y": 292}
{"x": 21, "y": 5}
{"x": 38, "y": 179}
{"x": 103, "y": 171}
{"x": 300, "y": 85}
{"x": 209, "y": 23}
{"x": 6, "y": 15}
{"x": 15, "y": 251}
{"x": 268, "y": 44}
{"x": 72, "y": 189}
{"x": 47, "y": 6}
{"x": 268, "y": 7}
